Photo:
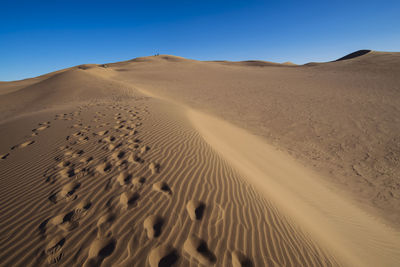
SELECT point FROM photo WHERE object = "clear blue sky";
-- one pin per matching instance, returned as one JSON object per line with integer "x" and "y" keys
{"x": 38, "y": 37}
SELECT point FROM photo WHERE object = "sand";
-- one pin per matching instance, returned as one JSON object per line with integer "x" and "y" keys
{"x": 166, "y": 161}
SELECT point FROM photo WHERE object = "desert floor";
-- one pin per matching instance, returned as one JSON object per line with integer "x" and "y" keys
{"x": 166, "y": 161}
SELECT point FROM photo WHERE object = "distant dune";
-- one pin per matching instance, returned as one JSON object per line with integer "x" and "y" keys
{"x": 354, "y": 54}
{"x": 288, "y": 63}
{"x": 167, "y": 161}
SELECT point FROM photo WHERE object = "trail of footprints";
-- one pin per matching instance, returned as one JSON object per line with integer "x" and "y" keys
{"x": 123, "y": 153}
{"x": 35, "y": 132}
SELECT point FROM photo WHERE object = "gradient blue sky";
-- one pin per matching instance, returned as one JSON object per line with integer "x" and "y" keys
{"x": 38, "y": 37}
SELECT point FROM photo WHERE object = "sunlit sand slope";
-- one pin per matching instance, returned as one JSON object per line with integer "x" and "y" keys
{"x": 132, "y": 183}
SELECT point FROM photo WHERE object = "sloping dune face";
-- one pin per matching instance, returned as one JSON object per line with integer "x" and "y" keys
{"x": 103, "y": 176}
{"x": 340, "y": 118}
{"x": 118, "y": 165}
{"x": 330, "y": 219}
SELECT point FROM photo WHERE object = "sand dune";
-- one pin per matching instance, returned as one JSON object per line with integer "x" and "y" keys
{"x": 339, "y": 118}
{"x": 117, "y": 165}
{"x": 83, "y": 205}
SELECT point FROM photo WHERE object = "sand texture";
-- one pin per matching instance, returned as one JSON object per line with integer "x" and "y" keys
{"x": 166, "y": 161}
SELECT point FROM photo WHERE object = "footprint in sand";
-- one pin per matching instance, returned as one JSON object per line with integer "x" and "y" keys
{"x": 59, "y": 116}
{"x": 162, "y": 187}
{"x": 134, "y": 141}
{"x": 131, "y": 130}
{"x": 87, "y": 128}
{"x": 77, "y": 134}
{"x": 104, "y": 167}
{"x": 123, "y": 178}
{"x": 77, "y": 153}
{"x": 195, "y": 209}
{"x": 82, "y": 208}
{"x": 240, "y": 260}
{"x": 123, "y": 135}
{"x": 67, "y": 172}
{"x": 69, "y": 152}
{"x": 41, "y": 128}
{"x": 128, "y": 199}
{"x": 68, "y": 221}
{"x": 109, "y": 139}
{"x": 154, "y": 168}
{"x": 64, "y": 221}
{"x": 99, "y": 250}
{"x": 104, "y": 224}
{"x": 101, "y": 133}
{"x": 112, "y": 147}
{"x": 77, "y": 125}
{"x": 163, "y": 255}
{"x": 153, "y": 225}
{"x": 53, "y": 249}
{"x": 118, "y": 155}
{"x": 138, "y": 182}
{"x": 43, "y": 226}
{"x": 44, "y": 123}
{"x": 135, "y": 159}
{"x": 67, "y": 192}
{"x": 144, "y": 149}
{"x": 86, "y": 160}
{"x": 4, "y": 156}
{"x": 198, "y": 249}
{"x": 22, "y": 145}
{"x": 63, "y": 164}
{"x": 83, "y": 139}
{"x": 117, "y": 127}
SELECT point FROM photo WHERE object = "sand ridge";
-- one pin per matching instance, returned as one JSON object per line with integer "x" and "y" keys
{"x": 354, "y": 235}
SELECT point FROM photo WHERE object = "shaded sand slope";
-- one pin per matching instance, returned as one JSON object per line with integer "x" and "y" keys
{"x": 8, "y": 87}
{"x": 51, "y": 90}
{"x": 340, "y": 118}
{"x": 355, "y": 54}
{"x": 125, "y": 180}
